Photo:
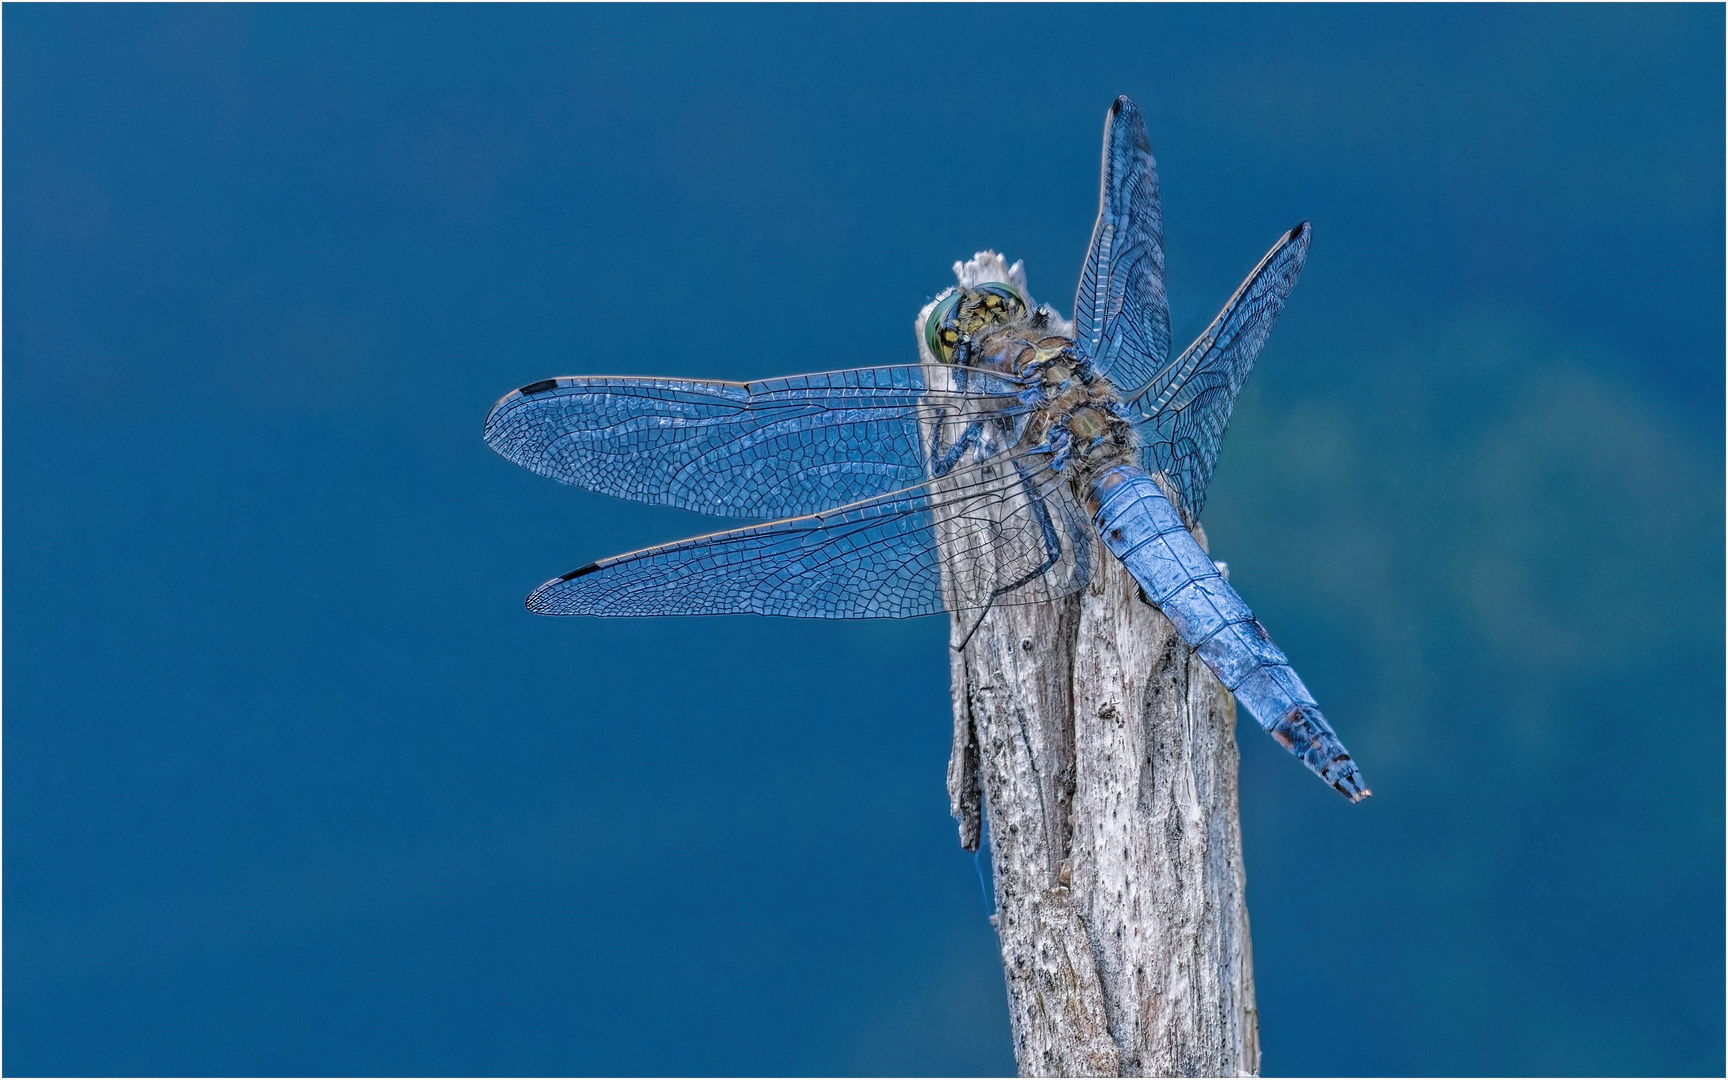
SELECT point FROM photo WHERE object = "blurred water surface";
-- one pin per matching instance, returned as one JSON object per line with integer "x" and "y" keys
{"x": 294, "y": 786}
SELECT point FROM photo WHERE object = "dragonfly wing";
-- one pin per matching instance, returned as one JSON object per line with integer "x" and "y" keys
{"x": 1121, "y": 316}
{"x": 1010, "y": 532}
{"x": 1182, "y": 415}
{"x": 759, "y": 449}
{"x": 878, "y": 558}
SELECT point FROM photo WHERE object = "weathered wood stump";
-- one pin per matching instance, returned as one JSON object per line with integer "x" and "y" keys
{"x": 1105, "y": 755}
{"x": 1102, "y": 754}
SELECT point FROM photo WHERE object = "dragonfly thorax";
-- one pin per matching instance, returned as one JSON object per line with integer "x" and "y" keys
{"x": 1077, "y": 415}
{"x": 1088, "y": 430}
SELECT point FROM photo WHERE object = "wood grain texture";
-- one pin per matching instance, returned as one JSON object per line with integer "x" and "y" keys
{"x": 1102, "y": 754}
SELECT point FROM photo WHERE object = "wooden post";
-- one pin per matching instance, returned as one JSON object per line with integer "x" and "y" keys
{"x": 1102, "y": 754}
{"x": 1106, "y": 758}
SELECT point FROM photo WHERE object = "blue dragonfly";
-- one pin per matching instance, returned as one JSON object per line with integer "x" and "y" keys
{"x": 987, "y": 473}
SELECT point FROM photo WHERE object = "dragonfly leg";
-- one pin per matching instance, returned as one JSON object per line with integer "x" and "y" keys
{"x": 1052, "y": 554}
{"x": 942, "y": 461}
{"x": 1052, "y": 541}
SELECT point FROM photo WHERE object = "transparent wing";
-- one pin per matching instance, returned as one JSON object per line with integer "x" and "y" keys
{"x": 878, "y": 558}
{"x": 1121, "y": 316}
{"x": 759, "y": 449}
{"x": 1182, "y": 414}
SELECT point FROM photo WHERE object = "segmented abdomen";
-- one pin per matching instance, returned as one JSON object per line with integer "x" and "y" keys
{"x": 1142, "y": 528}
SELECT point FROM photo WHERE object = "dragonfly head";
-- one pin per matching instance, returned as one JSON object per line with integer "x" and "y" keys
{"x": 968, "y": 312}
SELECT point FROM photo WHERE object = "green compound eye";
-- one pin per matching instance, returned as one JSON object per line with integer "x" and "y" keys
{"x": 967, "y": 311}
{"x": 933, "y": 326}
{"x": 1005, "y": 296}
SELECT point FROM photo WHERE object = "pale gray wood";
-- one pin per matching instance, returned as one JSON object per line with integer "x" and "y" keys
{"x": 1106, "y": 757}
{"x": 1101, "y": 754}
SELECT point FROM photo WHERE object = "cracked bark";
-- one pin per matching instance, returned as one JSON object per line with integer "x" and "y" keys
{"x": 1103, "y": 754}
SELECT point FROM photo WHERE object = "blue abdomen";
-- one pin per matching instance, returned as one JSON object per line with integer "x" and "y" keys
{"x": 1143, "y": 530}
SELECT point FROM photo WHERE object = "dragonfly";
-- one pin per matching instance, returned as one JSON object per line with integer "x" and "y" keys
{"x": 997, "y": 469}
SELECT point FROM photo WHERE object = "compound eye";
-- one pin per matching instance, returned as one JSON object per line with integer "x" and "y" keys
{"x": 1000, "y": 300}
{"x": 940, "y": 341}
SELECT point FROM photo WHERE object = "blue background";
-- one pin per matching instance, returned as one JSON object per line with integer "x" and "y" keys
{"x": 294, "y": 785}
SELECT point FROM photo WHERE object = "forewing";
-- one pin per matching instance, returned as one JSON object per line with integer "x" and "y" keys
{"x": 1182, "y": 415}
{"x": 759, "y": 449}
{"x": 878, "y": 558}
{"x": 1121, "y": 316}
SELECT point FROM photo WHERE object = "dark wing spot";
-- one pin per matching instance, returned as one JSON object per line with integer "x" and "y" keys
{"x": 572, "y": 575}
{"x": 539, "y": 387}
{"x": 1116, "y": 106}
